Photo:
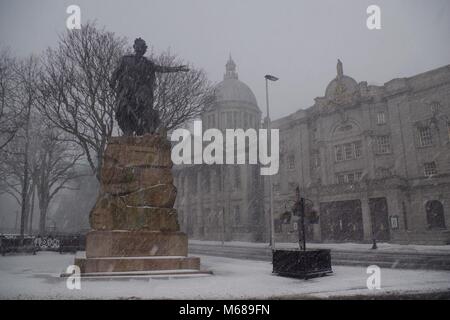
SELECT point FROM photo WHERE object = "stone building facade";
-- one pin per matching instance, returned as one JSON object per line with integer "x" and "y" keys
{"x": 224, "y": 202}
{"x": 374, "y": 161}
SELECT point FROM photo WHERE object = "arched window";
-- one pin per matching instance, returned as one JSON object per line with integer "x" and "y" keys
{"x": 435, "y": 214}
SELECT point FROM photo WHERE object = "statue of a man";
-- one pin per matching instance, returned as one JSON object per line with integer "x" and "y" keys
{"x": 134, "y": 82}
{"x": 340, "y": 69}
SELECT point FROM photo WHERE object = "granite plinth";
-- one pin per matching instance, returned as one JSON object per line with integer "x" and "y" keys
{"x": 135, "y": 227}
{"x": 135, "y": 244}
{"x": 130, "y": 264}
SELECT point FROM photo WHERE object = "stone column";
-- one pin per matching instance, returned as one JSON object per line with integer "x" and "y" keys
{"x": 366, "y": 218}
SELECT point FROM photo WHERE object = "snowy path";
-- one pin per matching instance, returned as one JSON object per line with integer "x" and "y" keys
{"x": 28, "y": 277}
{"x": 345, "y": 246}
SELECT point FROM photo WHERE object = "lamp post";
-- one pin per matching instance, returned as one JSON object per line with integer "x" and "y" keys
{"x": 302, "y": 236}
{"x": 272, "y": 226}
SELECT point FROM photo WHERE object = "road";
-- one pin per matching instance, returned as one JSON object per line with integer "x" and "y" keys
{"x": 399, "y": 260}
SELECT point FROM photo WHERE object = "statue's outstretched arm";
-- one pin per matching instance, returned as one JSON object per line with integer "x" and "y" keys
{"x": 165, "y": 69}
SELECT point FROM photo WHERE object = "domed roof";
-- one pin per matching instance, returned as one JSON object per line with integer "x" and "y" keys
{"x": 341, "y": 83}
{"x": 231, "y": 89}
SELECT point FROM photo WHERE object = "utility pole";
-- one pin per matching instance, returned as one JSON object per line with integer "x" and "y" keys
{"x": 272, "y": 226}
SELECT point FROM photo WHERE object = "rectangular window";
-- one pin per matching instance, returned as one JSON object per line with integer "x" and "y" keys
{"x": 237, "y": 215}
{"x": 206, "y": 182}
{"x": 448, "y": 130}
{"x": 194, "y": 184}
{"x": 340, "y": 179}
{"x": 348, "y": 151}
{"x": 383, "y": 144}
{"x": 237, "y": 178}
{"x": 350, "y": 177}
{"x": 245, "y": 121}
{"x": 223, "y": 120}
{"x": 435, "y": 107}
{"x": 229, "y": 120}
{"x": 316, "y": 159}
{"x": 430, "y": 168}
{"x": 338, "y": 153}
{"x": 383, "y": 173}
{"x": 425, "y": 137}
{"x": 381, "y": 119}
{"x": 358, "y": 149}
{"x": 291, "y": 162}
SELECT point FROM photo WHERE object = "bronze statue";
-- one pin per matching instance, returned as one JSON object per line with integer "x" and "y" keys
{"x": 134, "y": 82}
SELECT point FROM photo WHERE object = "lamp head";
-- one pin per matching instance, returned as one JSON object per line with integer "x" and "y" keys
{"x": 270, "y": 77}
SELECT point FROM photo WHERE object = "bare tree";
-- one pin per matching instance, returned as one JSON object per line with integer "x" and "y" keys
{"x": 76, "y": 94}
{"x": 10, "y": 111}
{"x": 78, "y": 98}
{"x": 18, "y": 156}
{"x": 57, "y": 164}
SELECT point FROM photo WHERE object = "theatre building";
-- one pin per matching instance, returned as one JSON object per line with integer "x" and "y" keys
{"x": 374, "y": 160}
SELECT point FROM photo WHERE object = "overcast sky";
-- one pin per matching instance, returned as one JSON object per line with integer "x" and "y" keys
{"x": 298, "y": 41}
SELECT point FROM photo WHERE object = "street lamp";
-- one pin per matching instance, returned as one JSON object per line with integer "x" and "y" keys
{"x": 268, "y": 78}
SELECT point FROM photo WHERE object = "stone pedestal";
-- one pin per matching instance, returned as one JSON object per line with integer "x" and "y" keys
{"x": 135, "y": 227}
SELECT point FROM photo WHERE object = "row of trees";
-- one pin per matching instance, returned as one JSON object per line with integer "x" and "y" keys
{"x": 57, "y": 113}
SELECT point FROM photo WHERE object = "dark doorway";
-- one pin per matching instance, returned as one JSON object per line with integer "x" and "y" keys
{"x": 341, "y": 221}
{"x": 380, "y": 218}
{"x": 435, "y": 214}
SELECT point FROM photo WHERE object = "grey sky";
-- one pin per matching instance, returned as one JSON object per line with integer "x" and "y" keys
{"x": 298, "y": 41}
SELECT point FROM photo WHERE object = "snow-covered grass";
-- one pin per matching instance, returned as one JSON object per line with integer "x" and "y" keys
{"x": 32, "y": 277}
{"x": 345, "y": 246}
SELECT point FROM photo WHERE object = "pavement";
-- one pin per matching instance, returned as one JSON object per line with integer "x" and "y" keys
{"x": 38, "y": 277}
{"x": 345, "y": 254}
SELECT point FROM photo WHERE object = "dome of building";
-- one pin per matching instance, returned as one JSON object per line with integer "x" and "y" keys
{"x": 341, "y": 83}
{"x": 231, "y": 89}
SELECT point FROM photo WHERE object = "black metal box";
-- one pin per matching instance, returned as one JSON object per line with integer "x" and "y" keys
{"x": 302, "y": 264}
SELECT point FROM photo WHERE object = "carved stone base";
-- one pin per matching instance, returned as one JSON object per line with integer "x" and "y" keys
{"x": 135, "y": 227}
{"x": 135, "y": 244}
{"x": 135, "y": 264}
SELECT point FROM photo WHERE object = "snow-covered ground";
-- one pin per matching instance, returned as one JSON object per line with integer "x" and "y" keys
{"x": 345, "y": 246}
{"x": 28, "y": 277}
